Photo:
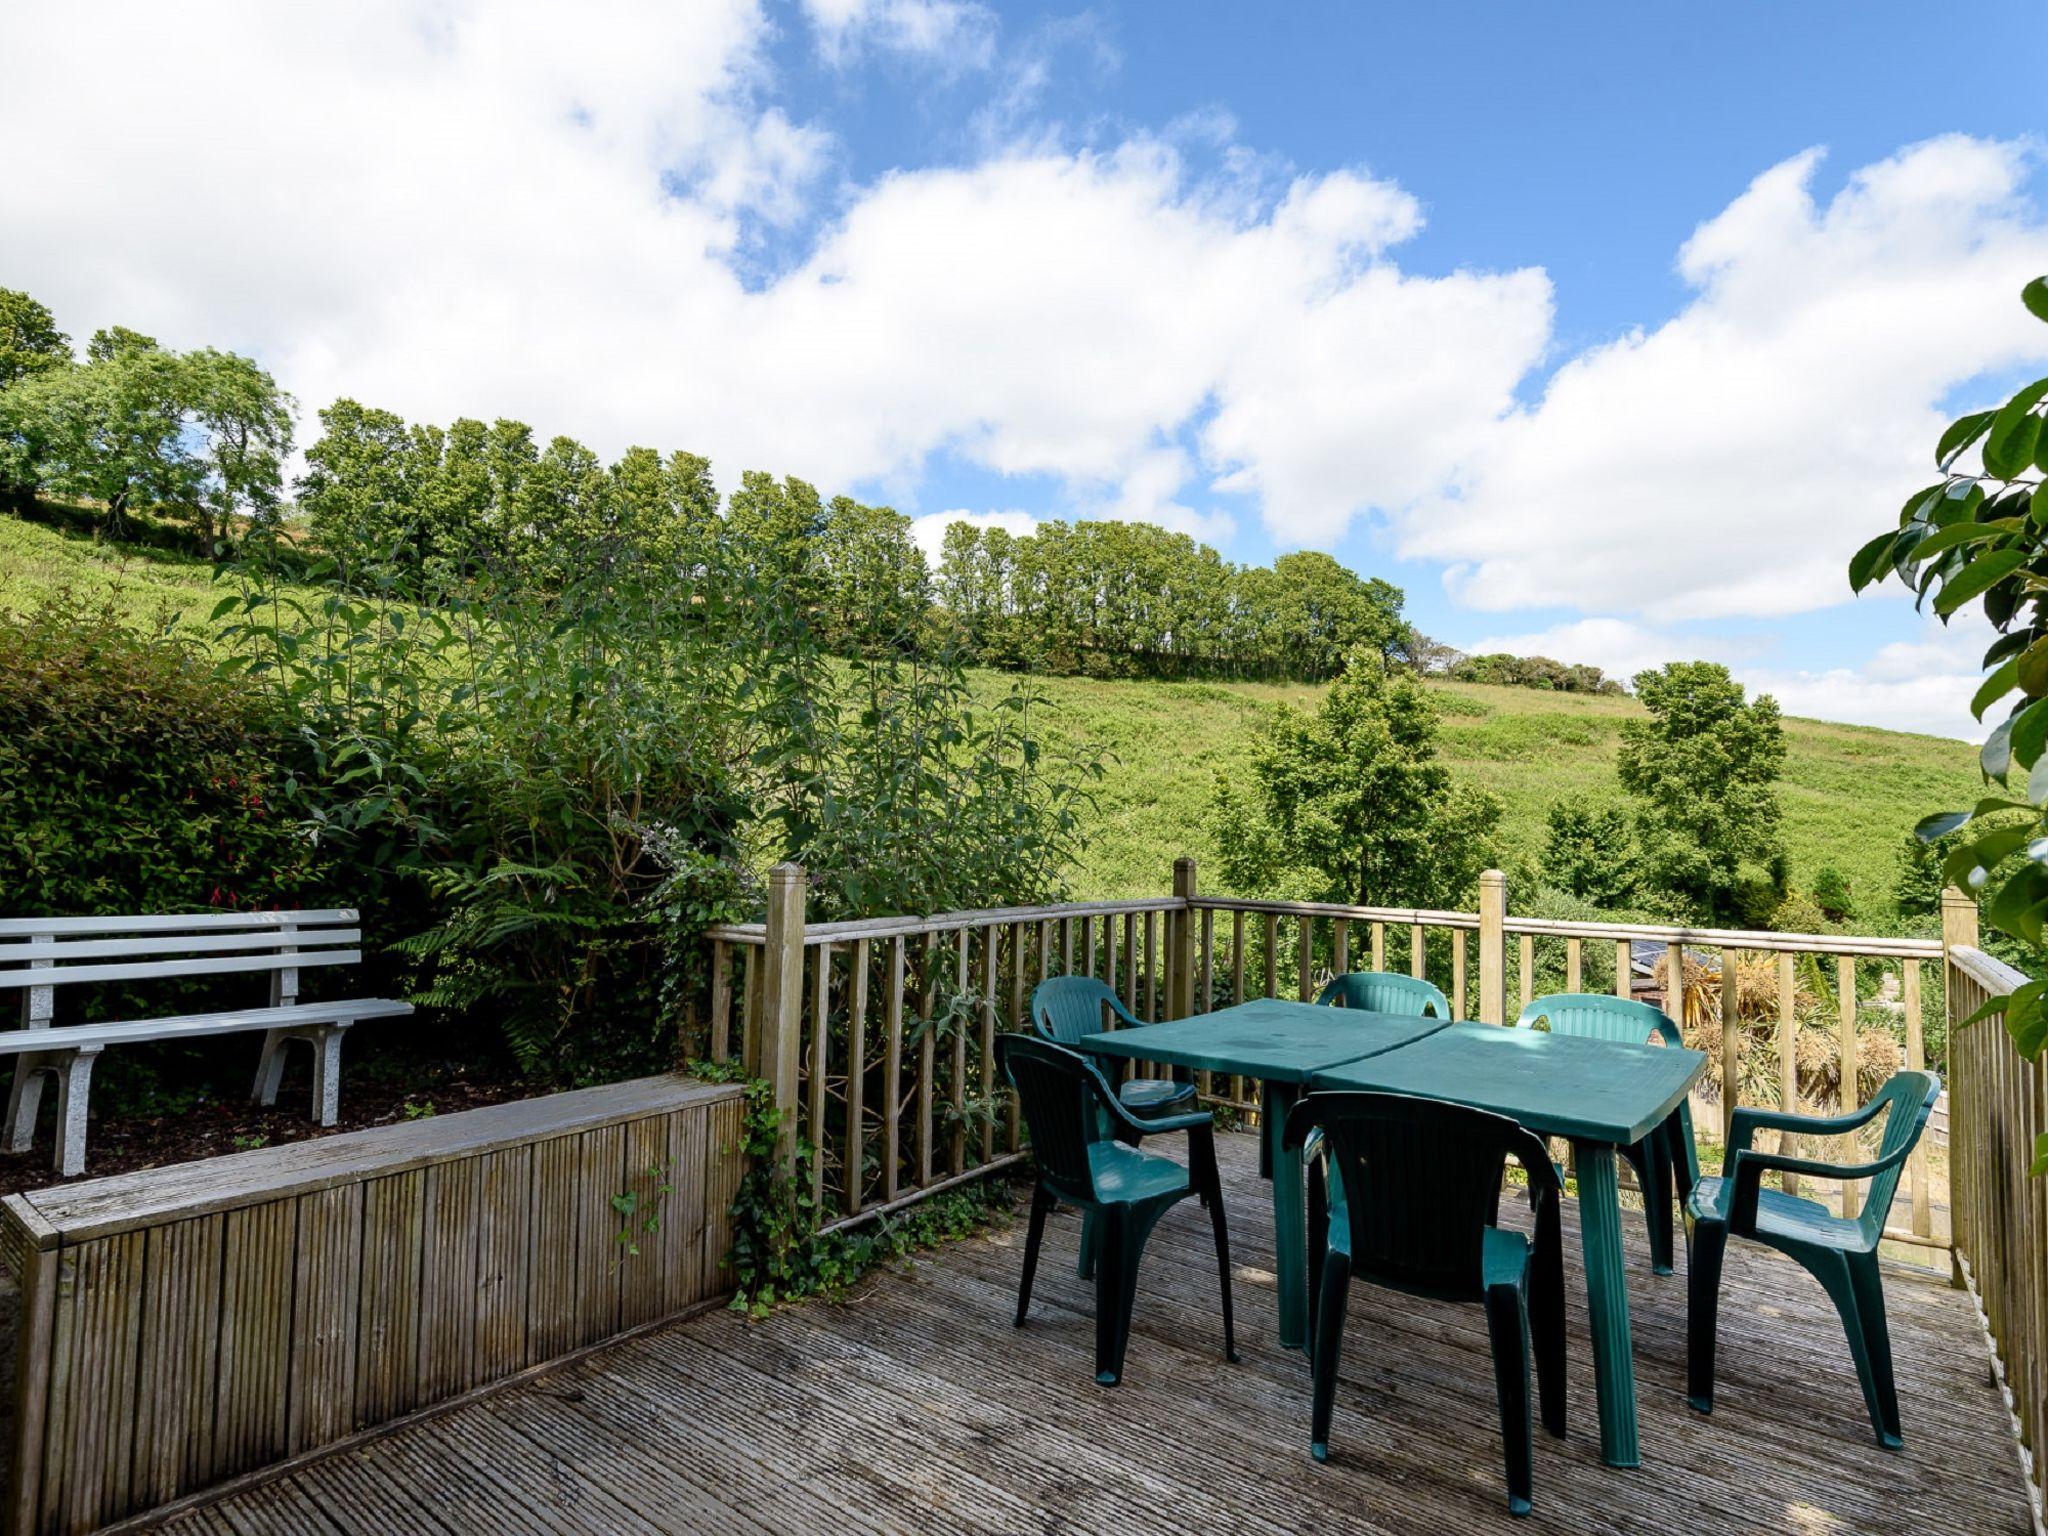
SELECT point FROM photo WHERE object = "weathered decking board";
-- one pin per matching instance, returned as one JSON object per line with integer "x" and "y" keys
{"x": 185, "y": 1325}
{"x": 914, "y": 1406}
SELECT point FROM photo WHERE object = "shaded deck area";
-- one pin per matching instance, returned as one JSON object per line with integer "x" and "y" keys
{"x": 914, "y": 1406}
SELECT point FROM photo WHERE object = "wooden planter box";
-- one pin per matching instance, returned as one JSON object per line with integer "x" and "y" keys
{"x": 186, "y": 1324}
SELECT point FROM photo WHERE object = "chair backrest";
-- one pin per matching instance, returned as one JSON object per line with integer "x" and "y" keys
{"x": 1910, "y": 1100}
{"x": 1062, "y": 1094}
{"x": 1066, "y": 1008}
{"x": 40, "y": 954}
{"x": 1386, "y": 992}
{"x": 1421, "y": 1182}
{"x": 1597, "y": 1016}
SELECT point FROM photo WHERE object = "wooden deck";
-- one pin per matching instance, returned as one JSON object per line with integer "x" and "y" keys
{"x": 914, "y": 1406}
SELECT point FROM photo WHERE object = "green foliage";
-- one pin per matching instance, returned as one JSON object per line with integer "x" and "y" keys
{"x": 1981, "y": 535}
{"x": 29, "y": 339}
{"x": 1590, "y": 852}
{"x": 133, "y": 780}
{"x": 203, "y": 434}
{"x": 1831, "y": 893}
{"x": 1704, "y": 769}
{"x": 1504, "y": 670}
{"x": 1111, "y": 599}
{"x": 778, "y": 1253}
{"x": 1349, "y": 803}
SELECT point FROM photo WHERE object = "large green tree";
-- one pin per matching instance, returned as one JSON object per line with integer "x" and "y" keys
{"x": 1704, "y": 771}
{"x": 29, "y": 339}
{"x": 1348, "y": 802}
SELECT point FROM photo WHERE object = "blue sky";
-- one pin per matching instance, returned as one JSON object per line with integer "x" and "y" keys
{"x": 1606, "y": 330}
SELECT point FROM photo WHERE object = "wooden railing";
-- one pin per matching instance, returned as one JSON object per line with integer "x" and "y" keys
{"x": 877, "y": 1034}
{"x": 2001, "y": 1210}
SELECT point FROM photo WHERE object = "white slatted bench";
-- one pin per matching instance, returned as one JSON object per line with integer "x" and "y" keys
{"x": 40, "y": 954}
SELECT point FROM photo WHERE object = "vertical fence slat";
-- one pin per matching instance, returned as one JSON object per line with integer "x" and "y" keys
{"x": 1017, "y": 1026}
{"x": 892, "y": 1074}
{"x": 1851, "y": 1095}
{"x": 1418, "y": 952}
{"x": 962, "y": 988}
{"x": 1304, "y": 961}
{"x": 1916, "y": 1061}
{"x": 1525, "y": 962}
{"x": 1379, "y": 946}
{"x": 991, "y": 961}
{"x": 1624, "y": 969}
{"x": 1458, "y": 973}
{"x": 821, "y": 1040}
{"x": 927, "y": 1059}
{"x": 1272, "y": 954}
{"x": 1574, "y": 975}
{"x": 857, "y": 1079}
{"x": 1788, "y": 1059}
{"x": 721, "y": 1000}
{"x": 1731, "y": 1044}
{"x": 1237, "y": 957}
{"x": 1204, "y": 985}
{"x": 1340, "y": 946}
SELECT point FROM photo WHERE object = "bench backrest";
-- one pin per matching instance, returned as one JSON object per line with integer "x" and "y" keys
{"x": 40, "y": 954}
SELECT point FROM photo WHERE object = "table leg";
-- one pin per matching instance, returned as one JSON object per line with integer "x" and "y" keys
{"x": 1614, "y": 1371}
{"x": 1290, "y": 1216}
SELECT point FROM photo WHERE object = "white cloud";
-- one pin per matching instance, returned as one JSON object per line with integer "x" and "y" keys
{"x": 930, "y": 530}
{"x": 959, "y": 34}
{"x": 1729, "y": 461}
{"x": 1924, "y": 684}
{"x": 479, "y": 210}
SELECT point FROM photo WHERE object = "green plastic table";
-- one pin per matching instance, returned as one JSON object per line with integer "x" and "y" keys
{"x": 1599, "y": 1094}
{"x": 1283, "y": 1045}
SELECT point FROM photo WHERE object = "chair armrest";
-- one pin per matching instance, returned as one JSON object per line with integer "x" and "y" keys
{"x": 1114, "y": 1105}
{"x": 1748, "y": 1120}
{"x": 1750, "y": 1166}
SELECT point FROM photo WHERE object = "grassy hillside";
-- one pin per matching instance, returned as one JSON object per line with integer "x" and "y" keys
{"x": 1851, "y": 793}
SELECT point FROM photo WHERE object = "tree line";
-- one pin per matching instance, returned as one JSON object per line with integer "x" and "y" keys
{"x": 402, "y": 507}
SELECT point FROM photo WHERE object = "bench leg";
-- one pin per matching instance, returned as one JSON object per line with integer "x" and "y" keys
{"x": 74, "y": 1087}
{"x": 327, "y": 1072}
{"x": 270, "y": 1067}
{"x": 24, "y": 1099}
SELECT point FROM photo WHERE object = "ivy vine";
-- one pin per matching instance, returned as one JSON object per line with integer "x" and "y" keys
{"x": 778, "y": 1253}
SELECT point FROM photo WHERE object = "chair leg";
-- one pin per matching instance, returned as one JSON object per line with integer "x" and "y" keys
{"x": 1880, "y": 1391}
{"x": 1709, "y": 1239}
{"x": 1652, "y": 1161}
{"x": 1546, "y": 1316}
{"x": 1212, "y": 1197}
{"x": 1091, "y": 1227}
{"x": 1112, "y": 1238}
{"x": 1507, "y": 1326}
{"x": 1041, "y": 1206}
{"x": 1328, "y": 1343}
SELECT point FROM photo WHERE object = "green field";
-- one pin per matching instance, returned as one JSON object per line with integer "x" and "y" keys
{"x": 1851, "y": 793}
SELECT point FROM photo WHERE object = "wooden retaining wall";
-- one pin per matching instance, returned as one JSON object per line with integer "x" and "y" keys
{"x": 185, "y": 1324}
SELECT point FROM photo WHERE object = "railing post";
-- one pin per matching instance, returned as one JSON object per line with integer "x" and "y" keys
{"x": 782, "y": 1002}
{"x": 1180, "y": 947}
{"x": 1493, "y": 947}
{"x": 1958, "y": 930}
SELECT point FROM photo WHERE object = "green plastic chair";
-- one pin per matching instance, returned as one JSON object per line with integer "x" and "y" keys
{"x": 1841, "y": 1254}
{"x": 1385, "y": 992}
{"x": 1415, "y": 1207}
{"x": 1067, "y": 1008}
{"x": 1666, "y": 1162}
{"x": 1121, "y": 1191}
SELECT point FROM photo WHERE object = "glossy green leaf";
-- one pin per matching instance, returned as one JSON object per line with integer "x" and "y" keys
{"x": 2033, "y": 669}
{"x": 1971, "y": 864}
{"x": 2029, "y": 733}
{"x": 2009, "y": 445}
{"x": 1932, "y": 828}
{"x": 1996, "y": 686}
{"x": 1952, "y": 535}
{"x": 2039, "y": 1165}
{"x": 1995, "y": 756}
{"x": 1977, "y": 578}
{"x": 2035, "y": 297}
{"x": 1962, "y": 432}
{"x": 2026, "y": 1021}
{"x": 1870, "y": 562}
{"x": 2004, "y": 646}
